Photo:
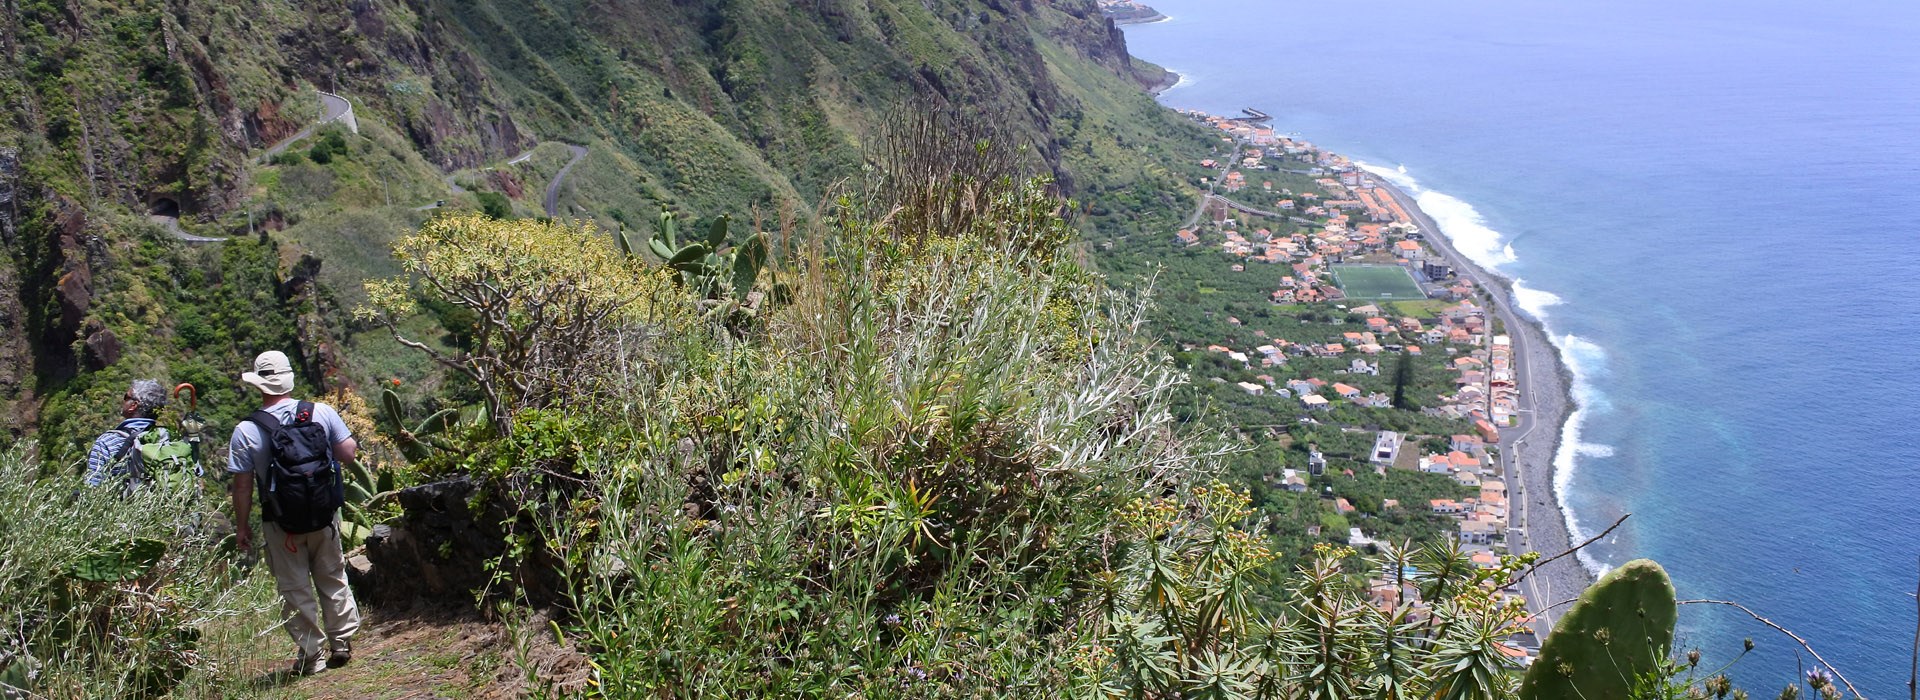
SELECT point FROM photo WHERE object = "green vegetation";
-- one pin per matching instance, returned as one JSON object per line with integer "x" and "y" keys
{"x": 921, "y": 440}
{"x": 113, "y": 595}
{"x": 1614, "y": 638}
{"x": 1377, "y": 282}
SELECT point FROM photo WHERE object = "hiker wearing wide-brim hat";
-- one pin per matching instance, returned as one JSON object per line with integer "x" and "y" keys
{"x": 293, "y": 451}
{"x": 272, "y": 374}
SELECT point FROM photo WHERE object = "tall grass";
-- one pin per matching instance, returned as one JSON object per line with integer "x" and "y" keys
{"x": 181, "y": 622}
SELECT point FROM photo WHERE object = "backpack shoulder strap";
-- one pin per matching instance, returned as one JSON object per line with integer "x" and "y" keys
{"x": 267, "y": 422}
{"x": 130, "y": 455}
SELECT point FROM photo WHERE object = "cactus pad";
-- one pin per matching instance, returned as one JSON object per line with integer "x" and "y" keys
{"x": 1619, "y": 629}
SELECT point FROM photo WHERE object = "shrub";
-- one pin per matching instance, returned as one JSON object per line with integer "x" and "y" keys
{"x": 495, "y": 205}
{"x": 932, "y": 438}
{"x": 549, "y": 304}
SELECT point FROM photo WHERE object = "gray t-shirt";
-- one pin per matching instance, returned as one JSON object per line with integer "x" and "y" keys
{"x": 247, "y": 450}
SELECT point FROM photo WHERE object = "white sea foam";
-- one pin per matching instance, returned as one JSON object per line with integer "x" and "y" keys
{"x": 1586, "y": 361}
{"x": 1534, "y": 301}
{"x": 1467, "y": 230}
{"x": 1459, "y": 221}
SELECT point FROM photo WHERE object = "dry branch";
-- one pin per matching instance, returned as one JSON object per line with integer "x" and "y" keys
{"x": 1788, "y": 632}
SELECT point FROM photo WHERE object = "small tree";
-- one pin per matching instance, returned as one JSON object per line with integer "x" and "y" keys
{"x": 548, "y": 302}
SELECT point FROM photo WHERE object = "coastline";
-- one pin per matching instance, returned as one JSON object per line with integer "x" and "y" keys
{"x": 1528, "y": 450}
{"x": 1149, "y": 19}
{"x": 1169, "y": 79}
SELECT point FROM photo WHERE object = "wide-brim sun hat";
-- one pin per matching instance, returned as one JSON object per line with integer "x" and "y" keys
{"x": 272, "y": 374}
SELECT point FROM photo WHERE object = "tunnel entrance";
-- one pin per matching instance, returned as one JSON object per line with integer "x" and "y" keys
{"x": 164, "y": 207}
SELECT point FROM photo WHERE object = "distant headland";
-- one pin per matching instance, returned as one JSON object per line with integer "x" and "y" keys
{"x": 1129, "y": 12}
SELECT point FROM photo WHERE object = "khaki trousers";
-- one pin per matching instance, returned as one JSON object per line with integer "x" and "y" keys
{"x": 301, "y": 564}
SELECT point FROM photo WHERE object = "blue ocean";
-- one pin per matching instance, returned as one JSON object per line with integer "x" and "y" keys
{"x": 1714, "y": 206}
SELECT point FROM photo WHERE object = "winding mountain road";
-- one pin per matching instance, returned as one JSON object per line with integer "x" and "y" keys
{"x": 332, "y": 108}
{"x": 553, "y": 188}
{"x": 172, "y": 225}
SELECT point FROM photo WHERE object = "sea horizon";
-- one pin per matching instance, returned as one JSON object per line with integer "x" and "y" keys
{"x": 1662, "y": 194}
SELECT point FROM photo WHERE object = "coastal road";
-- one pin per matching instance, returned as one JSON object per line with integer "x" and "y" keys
{"x": 332, "y": 108}
{"x": 1526, "y": 448}
{"x": 553, "y": 188}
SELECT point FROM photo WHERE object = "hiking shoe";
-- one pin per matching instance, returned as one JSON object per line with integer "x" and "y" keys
{"x": 342, "y": 653}
{"x": 304, "y": 665}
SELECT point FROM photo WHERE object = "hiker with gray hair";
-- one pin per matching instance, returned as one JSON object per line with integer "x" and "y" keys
{"x": 114, "y": 453}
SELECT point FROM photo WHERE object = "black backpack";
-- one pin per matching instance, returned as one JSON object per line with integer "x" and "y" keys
{"x": 302, "y": 490}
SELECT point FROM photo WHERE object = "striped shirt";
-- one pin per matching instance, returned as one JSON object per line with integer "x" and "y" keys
{"x": 108, "y": 458}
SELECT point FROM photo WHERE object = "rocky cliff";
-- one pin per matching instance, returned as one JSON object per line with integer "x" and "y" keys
{"x": 119, "y": 111}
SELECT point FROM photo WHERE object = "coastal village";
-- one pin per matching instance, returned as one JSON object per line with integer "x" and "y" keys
{"x": 1361, "y": 301}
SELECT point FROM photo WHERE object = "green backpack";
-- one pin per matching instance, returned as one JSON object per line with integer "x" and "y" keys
{"x": 161, "y": 462}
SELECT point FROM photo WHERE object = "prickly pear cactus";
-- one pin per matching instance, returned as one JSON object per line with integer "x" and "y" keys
{"x": 122, "y": 561}
{"x": 1619, "y": 629}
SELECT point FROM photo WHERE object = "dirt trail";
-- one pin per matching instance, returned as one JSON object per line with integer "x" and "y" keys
{"x": 437, "y": 653}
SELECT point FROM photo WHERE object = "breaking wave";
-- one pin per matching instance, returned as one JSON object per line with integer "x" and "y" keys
{"x": 1467, "y": 231}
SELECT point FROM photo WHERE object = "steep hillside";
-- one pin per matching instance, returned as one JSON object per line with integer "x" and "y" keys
{"x": 116, "y": 111}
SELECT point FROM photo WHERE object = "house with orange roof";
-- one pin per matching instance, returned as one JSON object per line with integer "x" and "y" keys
{"x": 1186, "y": 238}
{"x": 1407, "y": 249}
{"x": 1345, "y": 392}
{"x": 1342, "y": 506}
{"x": 1477, "y": 531}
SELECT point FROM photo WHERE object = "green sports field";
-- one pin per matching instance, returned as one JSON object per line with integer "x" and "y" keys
{"x": 1377, "y": 282}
